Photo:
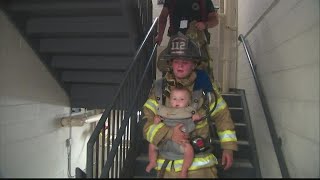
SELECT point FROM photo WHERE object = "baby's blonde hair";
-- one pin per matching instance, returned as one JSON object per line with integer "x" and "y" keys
{"x": 182, "y": 88}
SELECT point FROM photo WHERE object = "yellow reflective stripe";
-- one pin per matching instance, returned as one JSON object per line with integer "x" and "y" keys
{"x": 227, "y": 136}
{"x": 215, "y": 87}
{"x": 221, "y": 105}
{"x": 201, "y": 124}
{"x": 153, "y": 129}
{"x": 152, "y": 105}
{"x": 198, "y": 163}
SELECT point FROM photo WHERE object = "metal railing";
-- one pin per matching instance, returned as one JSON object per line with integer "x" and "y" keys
{"x": 251, "y": 139}
{"x": 275, "y": 138}
{"x": 109, "y": 150}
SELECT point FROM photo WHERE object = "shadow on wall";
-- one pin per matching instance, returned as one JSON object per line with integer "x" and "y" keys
{"x": 24, "y": 77}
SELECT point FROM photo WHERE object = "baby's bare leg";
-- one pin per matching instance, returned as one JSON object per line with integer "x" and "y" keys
{"x": 153, "y": 153}
{"x": 187, "y": 159}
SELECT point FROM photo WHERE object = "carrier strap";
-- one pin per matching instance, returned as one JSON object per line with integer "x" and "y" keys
{"x": 159, "y": 86}
{"x": 163, "y": 168}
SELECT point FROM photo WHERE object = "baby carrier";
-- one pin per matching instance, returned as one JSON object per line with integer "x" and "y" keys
{"x": 170, "y": 150}
{"x": 171, "y": 117}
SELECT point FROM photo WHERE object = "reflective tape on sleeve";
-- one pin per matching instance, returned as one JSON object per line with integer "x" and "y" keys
{"x": 201, "y": 124}
{"x": 198, "y": 163}
{"x": 227, "y": 136}
{"x": 152, "y": 105}
{"x": 220, "y": 106}
{"x": 153, "y": 129}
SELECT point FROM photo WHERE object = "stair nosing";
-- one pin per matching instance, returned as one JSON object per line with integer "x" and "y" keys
{"x": 236, "y": 124}
{"x": 236, "y": 108}
{"x": 230, "y": 94}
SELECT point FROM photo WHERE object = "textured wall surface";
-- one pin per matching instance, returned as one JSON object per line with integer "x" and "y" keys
{"x": 32, "y": 144}
{"x": 284, "y": 39}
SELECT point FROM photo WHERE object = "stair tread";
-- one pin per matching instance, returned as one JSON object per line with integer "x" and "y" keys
{"x": 236, "y": 124}
{"x": 230, "y": 94}
{"x": 143, "y": 157}
{"x": 38, "y": 5}
{"x": 240, "y": 162}
{"x": 235, "y": 108}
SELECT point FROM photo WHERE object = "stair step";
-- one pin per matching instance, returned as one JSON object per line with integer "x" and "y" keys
{"x": 92, "y": 77}
{"x": 41, "y": 35}
{"x": 143, "y": 157}
{"x": 237, "y": 115}
{"x": 241, "y": 168}
{"x": 56, "y": 8}
{"x": 245, "y": 163}
{"x": 83, "y": 46}
{"x": 244, "y": 150}
{"x": 96, "y": 96}
{"x": 230, "y": 94}
{"x": 77, "y": 26}
{"x": 232, "y": 99}
{"x": 91, "y": 62}
{"x": 140, "y": 166}
{"x": 80, "y": 36}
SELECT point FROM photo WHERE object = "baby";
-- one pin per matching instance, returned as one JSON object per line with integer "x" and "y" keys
{"x": 180, "y": 99}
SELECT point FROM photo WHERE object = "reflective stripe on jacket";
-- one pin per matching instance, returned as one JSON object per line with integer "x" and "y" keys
{"x": 221, "y": 104}
{"x": 152, "y": 105}
{"x": 198, "y": 163}
{"x": 225, "y": 136}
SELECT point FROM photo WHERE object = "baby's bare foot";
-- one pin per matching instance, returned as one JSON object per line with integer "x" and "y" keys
{"x": 183, "y": 174}
{"x": 150, "y": 166}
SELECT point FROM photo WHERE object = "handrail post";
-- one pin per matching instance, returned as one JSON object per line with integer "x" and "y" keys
{"x": 275, "y": 138}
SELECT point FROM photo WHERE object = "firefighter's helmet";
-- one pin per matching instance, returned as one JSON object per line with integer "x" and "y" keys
{"x": 179, "y": 46}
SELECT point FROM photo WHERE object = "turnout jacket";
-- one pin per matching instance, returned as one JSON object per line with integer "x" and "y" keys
{"x": 158, "y": 133}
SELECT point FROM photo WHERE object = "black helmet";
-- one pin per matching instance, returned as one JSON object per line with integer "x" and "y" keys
{"x": 179, "y": 46}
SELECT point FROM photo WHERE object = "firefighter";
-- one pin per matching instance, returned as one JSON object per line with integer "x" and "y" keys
{"x": 182, "y": 12}
{"x": 192, "y": 18}
{"x": 179, "y": 60}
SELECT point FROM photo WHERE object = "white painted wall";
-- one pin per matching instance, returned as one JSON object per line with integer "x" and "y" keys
{"x": 32, "y": 145}
{"x": 285, "y": 46}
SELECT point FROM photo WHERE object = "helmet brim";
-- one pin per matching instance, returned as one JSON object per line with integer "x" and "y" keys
{"x": 164, "y": 59}
{"x": 179, "y": 47}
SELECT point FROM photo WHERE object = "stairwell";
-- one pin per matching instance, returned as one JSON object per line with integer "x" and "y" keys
{"x": 245, "y": 164}
{"x": 86, "y": 45}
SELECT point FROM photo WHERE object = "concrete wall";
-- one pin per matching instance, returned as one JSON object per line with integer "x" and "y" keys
{"x": 32, "y": 145}
{"x": 285, "y": 48}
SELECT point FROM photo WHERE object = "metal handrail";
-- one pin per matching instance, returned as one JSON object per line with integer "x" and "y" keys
{"x": 251, "y": 138}
{"x": 124, "y": 123}
{"x": 126, "y": 112}
{"x": 276, "y": 140}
